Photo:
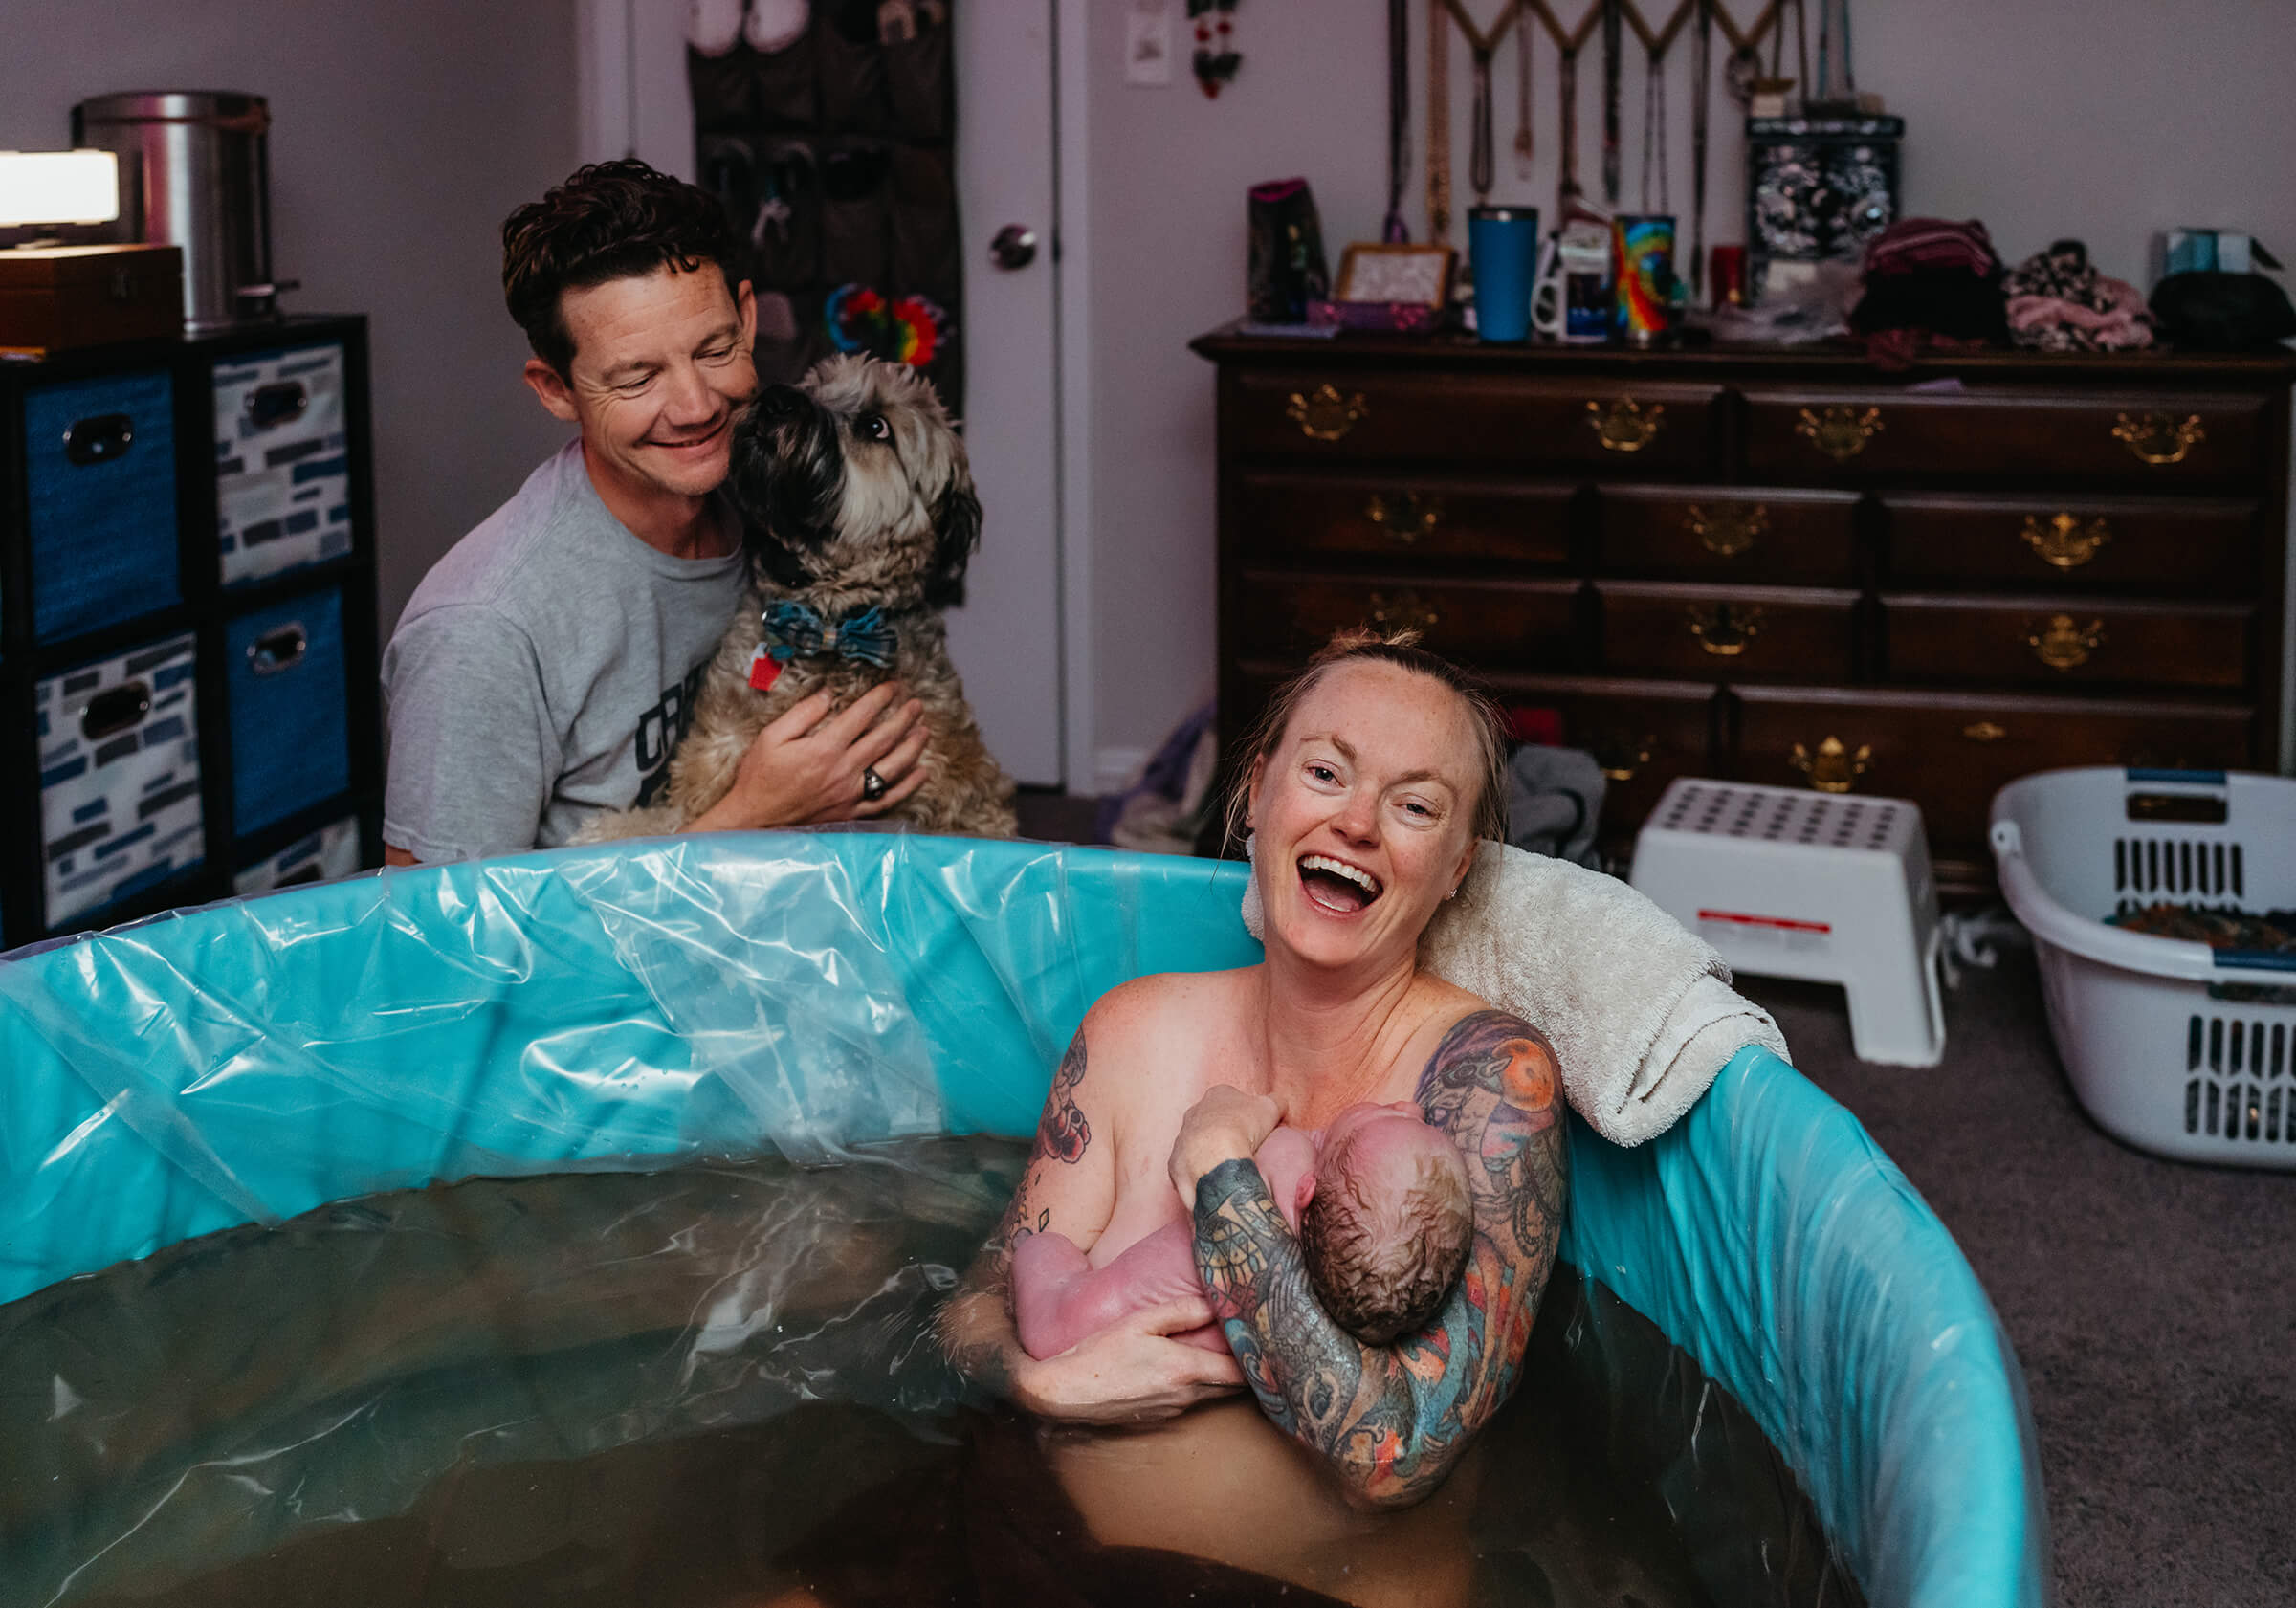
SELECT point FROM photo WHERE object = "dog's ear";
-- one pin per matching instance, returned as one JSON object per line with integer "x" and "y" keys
{"x": 957, "y": 527}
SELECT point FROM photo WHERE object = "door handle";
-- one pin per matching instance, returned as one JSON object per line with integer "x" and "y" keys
{"x": 1014, "y": 247}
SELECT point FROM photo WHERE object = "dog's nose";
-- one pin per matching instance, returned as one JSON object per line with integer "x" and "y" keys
{"x": 779, "y": 401}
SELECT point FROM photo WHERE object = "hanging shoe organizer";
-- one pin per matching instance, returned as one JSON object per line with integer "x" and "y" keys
{"x": 835, "y": 153}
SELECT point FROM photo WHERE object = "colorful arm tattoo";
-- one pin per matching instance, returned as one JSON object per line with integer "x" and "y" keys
{"x": 1392, "y": 1420}
{"x": 976, "y": 1327}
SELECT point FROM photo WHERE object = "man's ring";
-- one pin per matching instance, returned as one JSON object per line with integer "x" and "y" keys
{"x": 872, "y": 785}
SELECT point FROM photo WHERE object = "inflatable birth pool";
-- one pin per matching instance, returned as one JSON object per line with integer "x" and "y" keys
{"x": 627, "y": 1006}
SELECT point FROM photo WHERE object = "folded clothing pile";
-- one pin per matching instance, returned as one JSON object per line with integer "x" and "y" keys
{"x": 2058, "y": 302}
{"x": 1930, "y": 282}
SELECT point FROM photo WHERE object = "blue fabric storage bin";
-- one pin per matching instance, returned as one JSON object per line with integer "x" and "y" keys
{"x": 287, "y": 694}
{"x": 100, "y": 482}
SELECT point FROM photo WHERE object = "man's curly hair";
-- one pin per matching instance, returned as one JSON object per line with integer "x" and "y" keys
{"x": 1382, "y": 1267}
{"x": 612, "y": 220}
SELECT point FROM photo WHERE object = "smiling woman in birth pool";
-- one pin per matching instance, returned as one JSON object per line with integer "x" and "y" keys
{"x": 1371, "y": 779}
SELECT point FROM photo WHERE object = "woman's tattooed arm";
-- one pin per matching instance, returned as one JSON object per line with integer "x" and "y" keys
{"x": 1392, "y": 1420}
{"x": 975, "y": 1326}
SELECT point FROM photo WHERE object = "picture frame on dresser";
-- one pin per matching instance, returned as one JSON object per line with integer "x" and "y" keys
{"x": 1778, "y": 564}
{"x": 120, "y": 701}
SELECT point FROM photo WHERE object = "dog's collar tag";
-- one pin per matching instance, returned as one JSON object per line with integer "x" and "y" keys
{"x": 764, "y": 670}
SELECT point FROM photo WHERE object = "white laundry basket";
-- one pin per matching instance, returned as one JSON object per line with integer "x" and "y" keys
{"x": 2171, "y": 1045}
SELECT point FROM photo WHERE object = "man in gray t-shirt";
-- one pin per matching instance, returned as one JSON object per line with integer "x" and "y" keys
{"x": 547, "y": 667}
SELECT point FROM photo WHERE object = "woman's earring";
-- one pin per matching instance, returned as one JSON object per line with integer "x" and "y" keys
{"x": 1247, "y": 838}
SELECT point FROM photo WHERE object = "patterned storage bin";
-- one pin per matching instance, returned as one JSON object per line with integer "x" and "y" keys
{"x": 288, "y": 697}
{"x": 325, "y": 855}
{"x": 282, "y": 467}
{"x": 119, "y": 808}
{"x": 99, "y": 483}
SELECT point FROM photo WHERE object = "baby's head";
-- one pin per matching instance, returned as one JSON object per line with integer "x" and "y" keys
{"x": 1386, "y": 1229}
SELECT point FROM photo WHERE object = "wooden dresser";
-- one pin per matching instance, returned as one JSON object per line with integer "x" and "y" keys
{"x": 1778, "y": 566}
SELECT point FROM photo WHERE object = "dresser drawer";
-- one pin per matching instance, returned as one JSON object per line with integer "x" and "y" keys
{"x": 1309, "y": 514}
{"x": 1770, "y": 633}
{"x": 2049, "y": 642}
{"x": 1343, "y": 416}
{"x": 2153, "y": 440}
{"x": 1727, "y": 533}
{"x": 2160, "y": 545}
{"x": 1951, "y": 754}
{"x": 1643, "y": 735}
{"x": 1526, "y": 624}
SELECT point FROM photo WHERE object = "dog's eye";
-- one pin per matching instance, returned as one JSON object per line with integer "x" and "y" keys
{"x": 872, "y": 427}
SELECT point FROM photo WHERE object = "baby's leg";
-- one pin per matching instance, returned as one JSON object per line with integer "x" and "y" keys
{"x": 1057, "y": 1299}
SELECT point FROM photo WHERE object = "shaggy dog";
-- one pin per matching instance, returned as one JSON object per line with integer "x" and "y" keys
{"x": 861, "y": 517}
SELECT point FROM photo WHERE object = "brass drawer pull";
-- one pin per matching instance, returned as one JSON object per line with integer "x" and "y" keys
{"x": 2061, "y": 644}
{"x": 1323, "y": 414}
{"x": 1730, "y": 529}
{"x": 1841, "y": 433}
{"x": 1985, "y": 731}
{"x": 2065, "y": 541}
{"x": 1833, "y": 768}
{"x": 2157, "y": 438}
{"x": 1724, "y": 629}
{"x": 1404, "y": 611}
{"x": 1626, "y": 426}
{"x": 1407, "y": 516}
{"x": 1621, "y": 755}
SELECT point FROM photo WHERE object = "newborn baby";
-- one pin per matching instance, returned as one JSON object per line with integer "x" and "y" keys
{"x": 1379, "y": 1200}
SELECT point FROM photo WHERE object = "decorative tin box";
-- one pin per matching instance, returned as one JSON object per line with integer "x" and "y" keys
{"x": 54, "y": 298}
{"x": 1816, "y": 189}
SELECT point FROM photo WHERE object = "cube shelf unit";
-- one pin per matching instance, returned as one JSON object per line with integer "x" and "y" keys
{"x": 188, "y": 633}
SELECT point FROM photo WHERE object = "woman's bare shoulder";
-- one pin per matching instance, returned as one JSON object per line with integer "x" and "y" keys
{"x": 1165, "y": 997}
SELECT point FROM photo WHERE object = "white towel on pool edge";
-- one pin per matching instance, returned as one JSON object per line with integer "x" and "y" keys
{"x": 1639, "y": 1009}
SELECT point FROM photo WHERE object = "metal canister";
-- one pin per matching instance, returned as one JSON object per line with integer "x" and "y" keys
{"x": 194, "y": 172}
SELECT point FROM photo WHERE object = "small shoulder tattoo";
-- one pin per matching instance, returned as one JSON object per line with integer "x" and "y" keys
{"x": 1062, "y": 1133}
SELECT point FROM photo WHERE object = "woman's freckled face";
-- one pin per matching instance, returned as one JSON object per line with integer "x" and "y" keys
{"x": 1375, "y": 772}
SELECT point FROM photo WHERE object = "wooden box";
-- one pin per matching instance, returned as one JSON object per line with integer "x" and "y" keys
{"x": 54, "y": 299}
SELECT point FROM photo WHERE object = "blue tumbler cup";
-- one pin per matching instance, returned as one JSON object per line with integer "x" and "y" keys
{"x": 1502, "y": 244}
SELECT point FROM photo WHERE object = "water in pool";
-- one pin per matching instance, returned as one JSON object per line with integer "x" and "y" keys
{"x": 717, "y": 1385}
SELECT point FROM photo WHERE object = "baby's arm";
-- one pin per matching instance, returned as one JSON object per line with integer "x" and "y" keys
{"x": 1058, "y": 1298}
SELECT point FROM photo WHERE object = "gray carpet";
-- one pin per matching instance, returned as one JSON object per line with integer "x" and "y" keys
{"x": 2152, "y": 1303}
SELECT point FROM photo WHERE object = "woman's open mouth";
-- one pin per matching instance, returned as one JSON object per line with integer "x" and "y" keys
{"x": 1335, "y": 885}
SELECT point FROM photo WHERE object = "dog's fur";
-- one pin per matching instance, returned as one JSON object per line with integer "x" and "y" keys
{"x": 838, "y": 522}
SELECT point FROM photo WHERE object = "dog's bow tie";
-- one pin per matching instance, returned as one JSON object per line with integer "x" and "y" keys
{"x": 799, "y": 631}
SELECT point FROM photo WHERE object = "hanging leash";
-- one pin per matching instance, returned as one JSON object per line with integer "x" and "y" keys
{"x": 1394, "y": 230}
{"x": 1702, "y": 50}
{"x": 1522, "y": 96}
{"x": 1439, "y": 126}
{"x": 1613, "y": 20}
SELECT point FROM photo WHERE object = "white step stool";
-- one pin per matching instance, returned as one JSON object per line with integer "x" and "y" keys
{"x": 1819, "y": 886}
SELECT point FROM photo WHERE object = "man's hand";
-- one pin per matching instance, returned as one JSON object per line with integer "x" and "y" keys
{"x": 1226, "y": 1125}
{"x": 807, "y": 765}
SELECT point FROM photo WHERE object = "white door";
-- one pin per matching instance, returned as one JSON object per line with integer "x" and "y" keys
{"x": 1007, "y": 639}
